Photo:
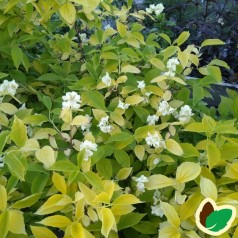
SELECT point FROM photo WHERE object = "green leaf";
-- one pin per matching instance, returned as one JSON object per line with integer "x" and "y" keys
{"x": 94, "y": 180}
{"x": 18, "y": 132}
{"x": 4, "y": 224}
{"x": 198, "y": 94}
{"x": 122, "y": 136}
{"x": 68, "y": 13}
{"x": 8, "y": 108}
{"x": 27, "y": 201}
{"x": 94, "y": 99}
{"x": 104, "y": 168}
{"x": 122, "y": 158}
{"x": 146, "y": 227}
{"x": 4, "y": 136}
{"x": 17, "y": 56}
{"x": 16, "y": 163}
{"x": 141, "y": 112}
{"x": 129, "y": 220}
{"x": 218, "y": 220}
{"x": 47, "y": 102}
{"x": 212, "y": 42}
{"x": 121, "y": 29}
{"x": 50, "y": 77}
{"x": 182, "y": 38}
{"x": 63, "y": 165}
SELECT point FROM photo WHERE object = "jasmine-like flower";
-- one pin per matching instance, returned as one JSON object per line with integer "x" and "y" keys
{"x": 185, "y": 114}
{"x": 71, "y": 100}
{"x": 83, "y": 38}
{"x": 9, "y": 87}
{"x": 141, "y": 84}
{"x": 123, "y": 105}
{"x": 141, "y": 183}
{"x": 106, "y": 79}
{"x": 165, "y": 109}
{"x": 89, "y": 148}
{"x": 157, "y": 211}
{"x": 86, "y": 127}
{"x": 104, "y": 125}
{"x": 155, "y": 140}
{"x": 151, "y": 120}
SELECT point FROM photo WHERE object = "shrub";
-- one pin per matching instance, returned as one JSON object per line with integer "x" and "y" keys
{"x": 102, "y": 134}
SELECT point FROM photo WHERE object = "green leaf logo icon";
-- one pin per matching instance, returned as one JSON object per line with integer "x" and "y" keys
{"x": 212, "y": 219}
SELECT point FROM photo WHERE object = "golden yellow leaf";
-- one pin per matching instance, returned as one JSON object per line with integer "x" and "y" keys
{"x": 126, "y": 199}
{"x": 53, "y": 204}
{"x": 119, "y": 210}
{"x": 77, "y": 230}
{"x": 108, "y": 221}
{"x": 16, "y": 222}
{"x": 46, "y": 155}
{"x": 56, "y": 221}
{"x": 59, "y": 182}
{"x": 123, "y": 173}
{"x": 3, "y": 198}
{"x": 79, "y": 121}
{"x": 89, "y": 194}
{"x": 208, "y": 188}
{"x": 158, "y": 181}
{"x": 134, "y": 99}
{"x": 68, "y": 12}
{"x": 171, "y": 214}
{"x": 174, "y": 147}
{"x": 42, "y": 232}
{"x": 139, "y": 152}
{"x": 187, "y": 171}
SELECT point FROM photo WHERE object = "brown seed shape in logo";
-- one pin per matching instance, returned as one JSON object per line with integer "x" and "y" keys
{"x": 206, "y": 211}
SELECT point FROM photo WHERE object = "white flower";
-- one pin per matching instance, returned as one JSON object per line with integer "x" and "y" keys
{"x": 89, "y": 148}
{"x": 179, "y": 198}
{"x": 9, "y": 87}
{"x": 123, "y": 105}
{"x": 107, "y": 26}
{"x": 156, "y": 161}
{"x": 158, "y": 9}
{"x": 156, "y": 196}
{"x": 157, "y": 211}
{"x": 147, "y": 94}
{"x": 149, "y": 10}
{"x": 220, "y": 21}
{"x": 83, "y": 38}
{"x": 140, "y": 183}
{"x": 155, "y": 141}
{"x": 152, "y": 7}
{"x": 87, "y": 126}
{"x": 71, "y": 100}
{"x": 172, "y": 63}
{"x": 169, "y": 74}
{"x": 104, "y": 125}
{"x": 141, "y": 84}
{"x": 106, "y": 79}
{"x": 151, "y": 120}
{"x": 165, "y": 109}
{"x": 185, "y": 114}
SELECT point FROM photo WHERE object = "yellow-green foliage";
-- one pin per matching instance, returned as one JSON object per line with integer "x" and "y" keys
{"x": 132, "y": 175}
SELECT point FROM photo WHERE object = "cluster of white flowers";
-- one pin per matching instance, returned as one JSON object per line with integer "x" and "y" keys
{"x": 107, "y": 26}
{"x": 155, "y": 140}
{"x": 155, "y": 8}
{"x": 141, "y": 183}
{"x": 1, "y": 162}
{"x": 123, "y": 105}
{"x": 179, "y": 198}
{"x": 165, "y": 109}
{"x": 83, "y": 38}
{"x": 86, "y": 127}
{"x": 141, "y": 84}
{"x": 184, "y": 114}
{"x": 106, "y": 79}
{"x": 156, "y": 209}
{"x": 151, "y": 120}
{"x": 71, "y": 100}
{"x": 104, "y": 125}
{"x": 171, "y": 66}
{"x": 9, "y": 87}
{"x": 89, "y": 148}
